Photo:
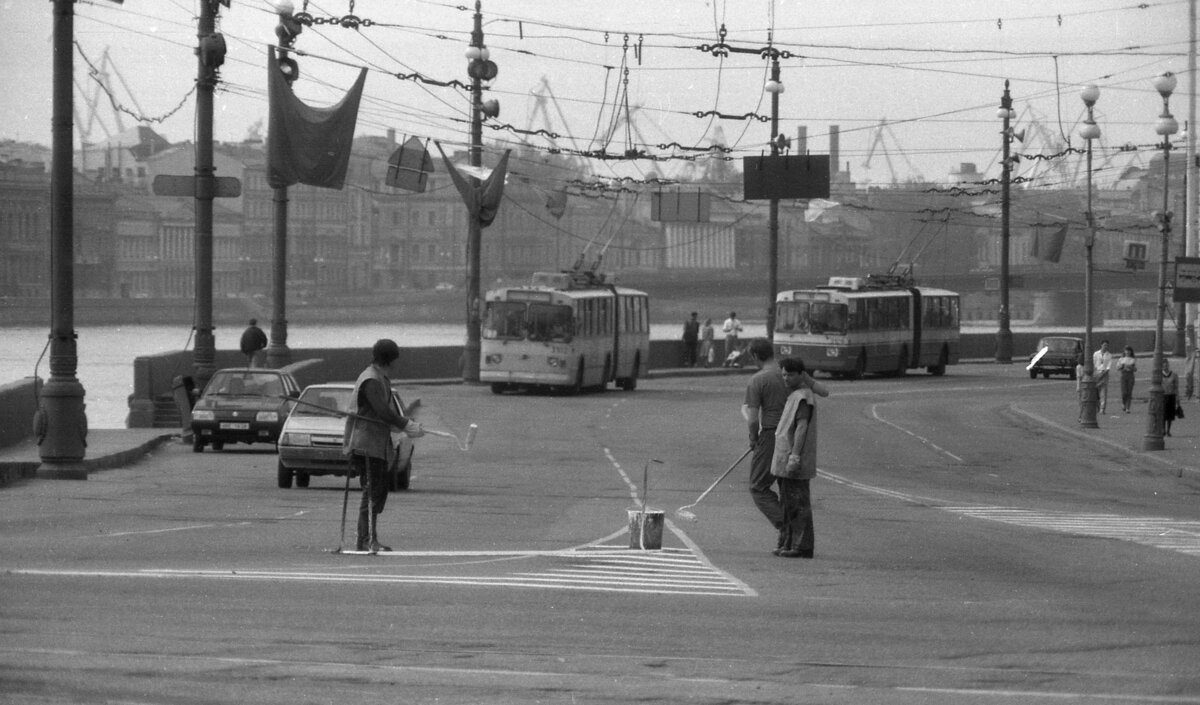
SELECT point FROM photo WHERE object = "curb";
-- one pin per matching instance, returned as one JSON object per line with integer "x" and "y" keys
{"x": 13, "y": 470}
{"x": 1149, "y": 456}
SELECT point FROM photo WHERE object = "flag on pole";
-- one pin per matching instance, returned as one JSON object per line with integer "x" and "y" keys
{"x": 1050, "y": 247}
{"x": 483, "y": 201}
{"x": 308, "y": 145}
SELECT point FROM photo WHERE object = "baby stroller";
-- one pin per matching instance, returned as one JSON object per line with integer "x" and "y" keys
{"x": 738, "y": 357}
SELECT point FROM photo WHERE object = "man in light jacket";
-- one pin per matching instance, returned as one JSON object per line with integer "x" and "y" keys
{"x": 368, "y": 439}
{"x": 795, "y": 459}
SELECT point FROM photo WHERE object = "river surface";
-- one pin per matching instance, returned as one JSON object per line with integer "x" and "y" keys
{"x": 106, "y": 353}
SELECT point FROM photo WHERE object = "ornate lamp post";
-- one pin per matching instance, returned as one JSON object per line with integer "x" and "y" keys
{"x": 1004, "y": 344}
{"x": 1166, "y": 126}
{"x": 774, "y": 87}
{"x": 1089, "y": 397}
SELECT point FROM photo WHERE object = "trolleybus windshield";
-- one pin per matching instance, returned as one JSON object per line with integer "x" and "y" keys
{"x": 513, "y": 320}
{"x": 811, "y": 317}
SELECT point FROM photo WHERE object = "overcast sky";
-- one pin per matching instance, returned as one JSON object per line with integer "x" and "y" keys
{"x": 934, "y": 70}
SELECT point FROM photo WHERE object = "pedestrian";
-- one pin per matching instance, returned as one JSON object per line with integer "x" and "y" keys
{"x": 368, "y": 441}
{"x": 706, "y": 343}
{"x": 691, "y": 339}
{"x": 794, "y": 463}
{"x": 732, "y": 328}
{"x": 253, "y": 341}
{"x": 1102, "y": 362}
{"x": 1171, "y": 408}
{"x": 762, "y": 406}
{"x": 1126, "y": 367}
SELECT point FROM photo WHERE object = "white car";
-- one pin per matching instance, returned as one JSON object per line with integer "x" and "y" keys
{"x": 311, "y": 440}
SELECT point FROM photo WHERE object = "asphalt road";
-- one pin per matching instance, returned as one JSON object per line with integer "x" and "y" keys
{"x": 965, "y": 554}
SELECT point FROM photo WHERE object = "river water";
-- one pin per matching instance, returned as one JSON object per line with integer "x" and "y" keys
{"x": 106, "y": 353}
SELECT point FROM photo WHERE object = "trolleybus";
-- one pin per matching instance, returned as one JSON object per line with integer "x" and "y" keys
{"x": 567, "y": 331}
{"x": 879, "y": 323}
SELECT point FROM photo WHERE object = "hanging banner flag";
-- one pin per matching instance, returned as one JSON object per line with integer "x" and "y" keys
{"x": 1050, "y": 247}
{"x": 308, "y": 145}
{"x": 483, "y": 201}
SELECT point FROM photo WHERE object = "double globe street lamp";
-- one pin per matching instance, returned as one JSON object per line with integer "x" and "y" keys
{"x": 1089, "y": 396}
{"x": 1165, "y": 127}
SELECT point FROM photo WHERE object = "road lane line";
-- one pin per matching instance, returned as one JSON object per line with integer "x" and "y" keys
{"x": 926, "y": 441}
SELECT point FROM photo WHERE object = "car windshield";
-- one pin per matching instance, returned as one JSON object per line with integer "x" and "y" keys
{"x": 323, "y": 401}
{"x": 1059, "y": 345}
{"x": 245, "y": 383}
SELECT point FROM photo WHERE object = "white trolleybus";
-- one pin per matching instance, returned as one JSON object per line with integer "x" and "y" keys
{"x": 879, "y": 323}
{"x": 567, "y": 331}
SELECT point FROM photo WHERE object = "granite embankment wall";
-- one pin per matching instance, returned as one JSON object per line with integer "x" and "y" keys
{"x": 154, "y": 376}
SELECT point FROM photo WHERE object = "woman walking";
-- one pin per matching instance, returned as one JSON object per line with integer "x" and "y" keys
{"x": 1127, "y": 366}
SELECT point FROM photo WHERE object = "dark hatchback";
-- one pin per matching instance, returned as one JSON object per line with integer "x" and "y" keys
{"x": 1062, "y": 355}
{"x": 242, "y": 405}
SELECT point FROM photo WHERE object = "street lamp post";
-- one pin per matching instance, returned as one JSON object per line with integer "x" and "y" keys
{"x": 1165, "y": 126}
{"x": 1089, "y": 396}
{"x": 774, "y": 87}
{"x": 1004, "y": 344}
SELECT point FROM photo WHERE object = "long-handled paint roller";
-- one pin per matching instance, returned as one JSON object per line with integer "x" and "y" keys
{"x": 462, "y": 444}
{"x": 684, "y": 511}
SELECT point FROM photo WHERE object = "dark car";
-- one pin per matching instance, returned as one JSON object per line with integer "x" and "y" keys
{"x": 1060, "y": 357}
{"x": 311, "y": 441}
{"x": 242, "y": 405}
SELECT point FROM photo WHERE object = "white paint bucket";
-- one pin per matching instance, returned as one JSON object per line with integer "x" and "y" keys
{"x": 646, "y": 528}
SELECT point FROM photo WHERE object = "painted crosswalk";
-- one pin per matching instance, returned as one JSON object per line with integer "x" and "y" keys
{"x": 598, "y": 568}
{"x": 1159, "y": 532}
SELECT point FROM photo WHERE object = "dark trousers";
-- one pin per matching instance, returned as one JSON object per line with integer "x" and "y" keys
{"x": 691, "y": 350}
{"x": 796, "y": 498}
{"x": 374, "y": 479}
{"x": 762, "y": 482}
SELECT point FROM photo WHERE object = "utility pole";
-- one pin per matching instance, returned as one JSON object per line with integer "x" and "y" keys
{"x": 470, "y": 371}
{"x": 774, "y": 87}
{"x": 60, "y": 423}
{"x": 1004, "y": 341}
{"x": 210, "y": 54}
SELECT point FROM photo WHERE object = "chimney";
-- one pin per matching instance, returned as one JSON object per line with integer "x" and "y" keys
{"x": 834, "y": 134}
{"x": 391, "y": 135}
{"x": 802, "y": 140}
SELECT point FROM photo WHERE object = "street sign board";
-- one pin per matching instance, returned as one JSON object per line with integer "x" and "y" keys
{"x": 1187, "y": 280}
{"x": 170, "y": 185}
{"x": 790, "y": 176}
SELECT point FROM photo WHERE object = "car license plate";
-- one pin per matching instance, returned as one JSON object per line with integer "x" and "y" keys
{"x": 235, "y": 426}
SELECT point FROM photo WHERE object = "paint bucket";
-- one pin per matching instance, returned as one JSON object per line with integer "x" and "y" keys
{"x": 646, "y": 528}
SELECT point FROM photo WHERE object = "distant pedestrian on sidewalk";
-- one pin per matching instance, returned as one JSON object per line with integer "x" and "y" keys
{"x": 1102, "y": 362}
{"x": 254, "y": 340}
{"x": 1126, "y": 367}
{"x": 706, "y": 343}
{"x": 1170, "y": 385}
{"x": 691, "y": 340}
{"x": 732, "y": 328}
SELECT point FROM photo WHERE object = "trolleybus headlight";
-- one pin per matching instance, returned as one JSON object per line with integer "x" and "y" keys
{"x": 556, "y": 362}
{"x": 831, "y": 352}
{"x": 493, "y": 359}
{"x": 785, "y": 350}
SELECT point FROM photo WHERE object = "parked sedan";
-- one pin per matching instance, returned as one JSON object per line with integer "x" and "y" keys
{"x": 1056, "y": 355}
{"x": 311, "y": 441}
{"x": 242, "y": 405}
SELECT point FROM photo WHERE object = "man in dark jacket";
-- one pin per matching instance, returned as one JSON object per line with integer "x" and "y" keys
{"x": 253, "y": 340}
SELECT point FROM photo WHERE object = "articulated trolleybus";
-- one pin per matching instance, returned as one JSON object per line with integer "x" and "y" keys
{"x": 566, "y": 330}
{"x": 879, "y": 323}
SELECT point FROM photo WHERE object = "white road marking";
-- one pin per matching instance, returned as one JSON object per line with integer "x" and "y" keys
{"x": 926, "y": 441}
{"x": 1166, "y": 533}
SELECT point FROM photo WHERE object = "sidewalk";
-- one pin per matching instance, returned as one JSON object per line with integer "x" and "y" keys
{"x": 1125, "y": 432}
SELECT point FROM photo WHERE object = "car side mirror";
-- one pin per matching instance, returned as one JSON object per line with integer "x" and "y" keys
{"x": 295, "y": 394}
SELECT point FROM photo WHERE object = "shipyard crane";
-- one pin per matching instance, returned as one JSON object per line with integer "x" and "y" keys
{"x": 882, "y": 130}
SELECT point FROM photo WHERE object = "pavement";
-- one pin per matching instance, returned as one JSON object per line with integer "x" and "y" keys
{"x": 1121, "y": 432}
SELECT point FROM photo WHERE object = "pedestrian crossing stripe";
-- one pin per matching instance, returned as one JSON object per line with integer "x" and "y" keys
{"x": 1159, "y": 532}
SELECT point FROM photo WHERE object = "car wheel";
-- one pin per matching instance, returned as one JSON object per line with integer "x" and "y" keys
{"x": 284, "y": 476}
{"x": 1033, "y": 374}
{"x": 218, "y": 445}
{"x": 197, "y": 444}
{"x": 302, "y": 479}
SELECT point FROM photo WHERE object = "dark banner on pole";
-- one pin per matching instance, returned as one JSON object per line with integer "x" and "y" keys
{"x": 800, "y": 176}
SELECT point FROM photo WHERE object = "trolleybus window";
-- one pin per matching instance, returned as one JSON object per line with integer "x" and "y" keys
{"x": 550, "y": 322}
{"x": 505, "y": 321}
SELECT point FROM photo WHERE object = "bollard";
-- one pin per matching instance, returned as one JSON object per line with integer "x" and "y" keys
{"x": 646, "y": 529}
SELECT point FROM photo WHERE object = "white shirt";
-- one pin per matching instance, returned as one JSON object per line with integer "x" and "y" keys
{"x": 732, "y": 325}
{"x": 1102, "y": 361}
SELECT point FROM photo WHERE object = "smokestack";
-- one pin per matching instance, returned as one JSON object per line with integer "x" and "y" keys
{"x": 391, "y": 135}
{"x": 834, "y": 134}
{"x": 802, "y": 140}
